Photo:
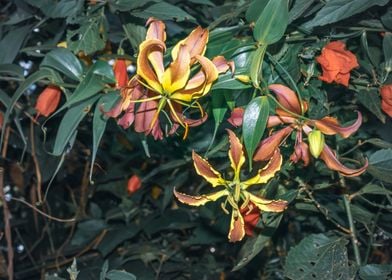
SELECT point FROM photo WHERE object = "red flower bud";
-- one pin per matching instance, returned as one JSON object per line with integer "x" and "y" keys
{"x": 48, "y": 100}
{"x": 134, "y": 183}
{"x": 120, "y": 73}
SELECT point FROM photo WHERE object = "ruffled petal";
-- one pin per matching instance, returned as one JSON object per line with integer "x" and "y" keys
{"x": 328, "y": 156}
{"x": 270, "y": 144}
{"x": 237, "y": 227}
{"x": 267, "y": 205}
{"x": 266, "y": 173}
{"x": 204, "y": 169}
{"x": 199, "y": 200}
{"x": 236, "y": 154}
{"x": 331, "y": 126}
{"x": 287, "y": 98}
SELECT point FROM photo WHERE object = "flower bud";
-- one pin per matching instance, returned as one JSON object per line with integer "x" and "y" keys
{"x": 316, "y": 142}
{"x": 243, "y": 78}
{"x": 120, "y": 73}
{"x": 134, "y": 183}
{"x": 48, "y": 100}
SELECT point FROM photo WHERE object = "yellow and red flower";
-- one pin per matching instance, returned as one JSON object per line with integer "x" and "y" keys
{"x": 236, "y": 191}
{"x": 316, "y": 129}
{"x": 168, "y": 90}
{"x": 336, "y": 62}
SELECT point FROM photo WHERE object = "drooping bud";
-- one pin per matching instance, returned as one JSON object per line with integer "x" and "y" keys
{"x": 120, "y": 73}
{"x": 243, "y": 78}
{"x": 48, "y": 100}
{"x": 316, "y": 142}
{"x": 134, "y": 183}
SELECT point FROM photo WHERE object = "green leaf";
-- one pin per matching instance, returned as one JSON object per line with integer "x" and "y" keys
{"x": 387, "y": 49}
{"x": 336, "y": 10}
{"x": 104, "y": 270}
{"x": 12, "y": 70}
{"x": 371, "y": 100}
{"x": 272, "y": 23}
{"x": 127, "y": 5}
{"x": 58, "y": 9}
{"x": 163, "y": 11}
{"x": 375, "y": 272}
{"x": 255, "y": 66}
{"x": 386, "y": 19}
{"x": 99, "y": 74}
{"x": 299, "y": 8}
{"x": 255, "y": 9}
{"x": 104, "y": 104}
{"x": 89, "y": 37}
{"x": 120, "y": 275}
{"x": 254, "y": 123}
{"x": 135, "y": 34}
{"x": 318, "y": 257}
{"x": 115, "y": 237}
{"x": 380, "y": 165}
{"x": 379, "y": 143}
{"x": 65, "y": 61}
{"x": 227, "y": 81}
{"x": 70, "y": 123}
{"x": 11, "y": 43}
{"x": 373, "y": 189}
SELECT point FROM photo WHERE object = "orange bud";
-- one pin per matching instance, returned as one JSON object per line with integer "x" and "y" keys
{"x": 134, "y": 183}
{"x": 48, "y": 100}
{"x": 120, "y": 72}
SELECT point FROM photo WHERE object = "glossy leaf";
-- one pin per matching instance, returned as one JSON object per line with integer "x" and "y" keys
{"x": 256, "y": 64}
{"x": 380, "y": 165}
{"x": 255, "y": 9}
{"x": 371, "y": 100}
{"x": 272, "y": 23}
{"x": 70, "y": 123}
{"x": 120, "y": 275}
{"x": 254, "y": 123}
{"x": 163, "y": 11}
{"x": 14, "y": 38}
{"x": 104, "y": 104}
{"x": 336, "y": 10}
{"x": 12, "y": 70}
{"x": 65, "y": 61}
{"x": 100, "y": 74}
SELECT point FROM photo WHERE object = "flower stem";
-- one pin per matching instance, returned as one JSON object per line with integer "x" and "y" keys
{"x": 354, "y": 239}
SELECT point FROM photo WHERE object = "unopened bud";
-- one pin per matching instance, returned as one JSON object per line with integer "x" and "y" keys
{"x": 243, "y": 78}
{"x": 316, "y": 142}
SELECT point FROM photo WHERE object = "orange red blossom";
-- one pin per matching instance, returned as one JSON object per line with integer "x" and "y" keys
{"x": 167, "y": 90}
{"x": 236, "y": 191}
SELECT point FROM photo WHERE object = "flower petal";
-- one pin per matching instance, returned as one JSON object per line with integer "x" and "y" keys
{"x": 146, "y": 70}
{"x": 48, "y": 100}
{"x": 266, "y": 173}
{"x": 267, "y": 205}
{"x": 177, "y": 75}
{"x": 287, "y": 98}
{"x": 204, "y": 169}
{"x": 328, "y": 156}
{"x": 200, "y": 199}
{"x": 196, "y": 43}
{"x": 144, "y": 116}
{"x": 331, "y": 126}
{"x": 236, "y": 154}
{"x": 237, "y": 226}
{"x": 270, "y": 144}
{"x": 236, "y": 117}
{"x": 156, "y": 29}
{"x": 301, "y": 152}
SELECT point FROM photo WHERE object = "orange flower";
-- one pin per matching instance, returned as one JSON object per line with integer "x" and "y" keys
{"x": 134, "y": 183}
{"x": 336, "y": 62}
{"x": 236, "y": 117}
{"x": 48, "y": 101}
{"x": 386, "y": 99}
{"x": 120, "y": 73}
{"x": 302, "y": 151}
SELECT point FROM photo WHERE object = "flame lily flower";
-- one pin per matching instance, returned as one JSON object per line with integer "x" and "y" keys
{"x": 291, "y": 117}
{"x": 168, "y": 90}
{"x": 236, "y": 191}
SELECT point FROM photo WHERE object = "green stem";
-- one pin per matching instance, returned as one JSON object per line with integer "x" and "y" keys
{"x": 294, "y": 84}
{"x": 354, "y": 239}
